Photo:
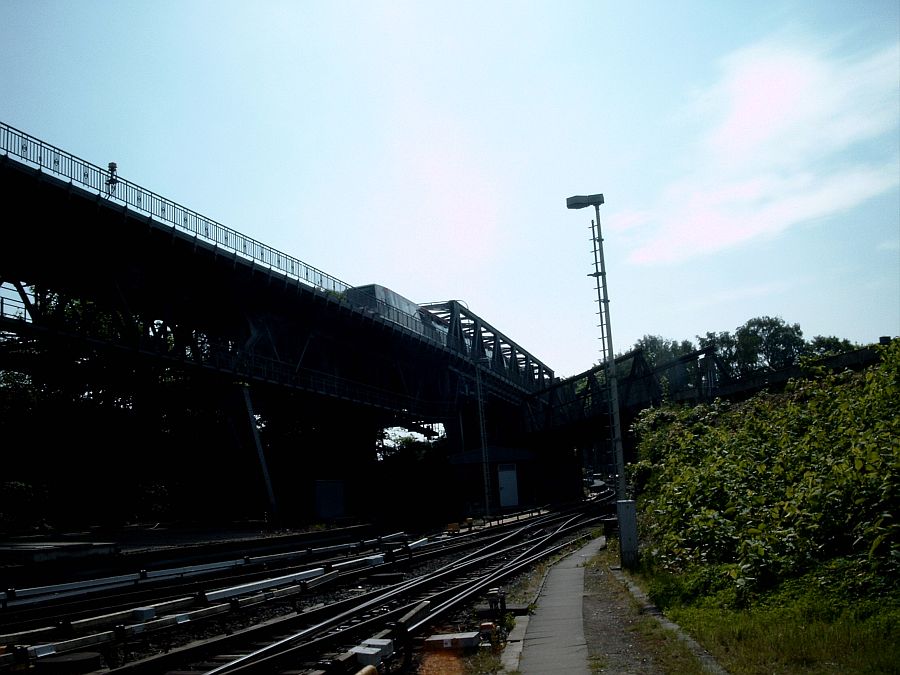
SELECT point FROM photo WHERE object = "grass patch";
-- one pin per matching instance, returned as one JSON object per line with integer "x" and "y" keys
{"x": 482, "y": 662}
{"x": 802, "y": 627}
{"x": 785, "y": 640}
{"x": 669, "y": 652}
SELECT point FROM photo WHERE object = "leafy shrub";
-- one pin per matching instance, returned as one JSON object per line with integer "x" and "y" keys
{"x": 737, "y": 498}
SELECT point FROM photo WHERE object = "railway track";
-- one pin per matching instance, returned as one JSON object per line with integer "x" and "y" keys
{"x": 68, "y": 602}
{"x": 384, "y": 620}
{"x": 251, "y": 623}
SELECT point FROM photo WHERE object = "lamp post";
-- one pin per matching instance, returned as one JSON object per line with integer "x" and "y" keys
{"x": 625, "y": 508}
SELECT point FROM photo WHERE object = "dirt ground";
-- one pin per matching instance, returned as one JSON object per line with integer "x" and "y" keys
{"x": 626, "y": 634}
{"x": 614, "y": 628}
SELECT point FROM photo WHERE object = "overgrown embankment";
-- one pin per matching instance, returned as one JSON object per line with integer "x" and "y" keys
{"x": 769, "y": 527}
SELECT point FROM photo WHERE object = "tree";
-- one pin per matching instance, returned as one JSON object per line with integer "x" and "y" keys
{"x": 762, "y": 343}
{"x": 659, "y": 350}
{"x": 822, "y": 345}
{"x": 768, "y": 343}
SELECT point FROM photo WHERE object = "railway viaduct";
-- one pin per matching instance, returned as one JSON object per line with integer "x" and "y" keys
{"x": 147, "y": 307}
{"x": 114, "y": 287}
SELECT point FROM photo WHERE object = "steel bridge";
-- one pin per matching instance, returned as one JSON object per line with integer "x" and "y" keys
{"x": 96, "y": 269}
{"x": 93, "y": 264}
{"x": 468, "y": 342}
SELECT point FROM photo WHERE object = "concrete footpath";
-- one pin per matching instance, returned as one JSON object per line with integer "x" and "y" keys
{"x": 553, "y": 640}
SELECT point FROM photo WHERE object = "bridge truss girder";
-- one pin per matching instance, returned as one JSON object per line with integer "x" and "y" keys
{"x": 696, "y": 376}
{"x": 491, "y": 350}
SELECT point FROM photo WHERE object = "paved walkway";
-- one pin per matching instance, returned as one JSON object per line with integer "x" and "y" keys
{"x": 554, "y": 638}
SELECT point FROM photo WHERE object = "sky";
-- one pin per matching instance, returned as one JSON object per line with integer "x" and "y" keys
{"x": 748, "y": 153}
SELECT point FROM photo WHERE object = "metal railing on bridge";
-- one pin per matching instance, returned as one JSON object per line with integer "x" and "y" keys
{"x": 107, "y": 183}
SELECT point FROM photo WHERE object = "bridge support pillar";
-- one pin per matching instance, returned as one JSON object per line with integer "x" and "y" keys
{"x": 251, "y": 418}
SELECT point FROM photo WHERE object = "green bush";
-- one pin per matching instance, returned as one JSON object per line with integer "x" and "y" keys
{"x": 736, "y": 499}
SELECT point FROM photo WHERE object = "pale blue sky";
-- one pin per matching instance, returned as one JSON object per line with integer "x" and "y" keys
{"x": 748, "y": 152}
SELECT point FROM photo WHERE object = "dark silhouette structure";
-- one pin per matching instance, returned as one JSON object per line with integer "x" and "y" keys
{"x": 182, "y": 368}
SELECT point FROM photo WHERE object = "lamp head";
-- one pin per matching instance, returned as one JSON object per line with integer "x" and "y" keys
{"x": 580, "y": 201}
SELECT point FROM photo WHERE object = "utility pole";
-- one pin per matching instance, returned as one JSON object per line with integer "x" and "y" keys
{"x": 625, "y": 508}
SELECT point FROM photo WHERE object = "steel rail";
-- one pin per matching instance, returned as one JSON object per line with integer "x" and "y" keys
{"x": 526, "y": 558}
{"x": 279, "y": 648}
{"x": 14, "y": 598}
{"x": 193, "y": 609}
{"x": 265, "y": 658}
{"x": 74, "y": 604}
{"x": 324, "y": 618}
{"x": 323, "y": 632}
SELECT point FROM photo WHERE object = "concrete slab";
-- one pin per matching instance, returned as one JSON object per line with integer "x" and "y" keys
{"x": 554, "y": 640}
{"x": 512, "y": 652}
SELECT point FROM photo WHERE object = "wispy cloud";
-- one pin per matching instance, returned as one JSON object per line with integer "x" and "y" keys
{"x": 730, "y": 296}
{"x": 785, "y": 127}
